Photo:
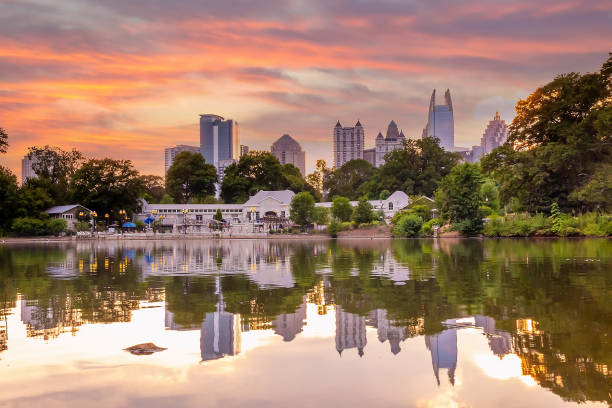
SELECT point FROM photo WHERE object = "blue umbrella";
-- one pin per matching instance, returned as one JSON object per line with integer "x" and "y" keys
{"x": 149, "y": 220}
{"x": 129, "y": 225}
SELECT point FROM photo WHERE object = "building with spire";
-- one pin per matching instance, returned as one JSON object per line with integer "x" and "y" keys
{"x": 288, "y": 151}
{"x": 394, "y": 139}
{"x": 440, "y": 121}
{"x": 495, "y": 135}
{"x": 348, "y": 143}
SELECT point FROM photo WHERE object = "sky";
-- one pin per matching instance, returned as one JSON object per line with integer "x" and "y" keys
{"x": 124, "y": 79}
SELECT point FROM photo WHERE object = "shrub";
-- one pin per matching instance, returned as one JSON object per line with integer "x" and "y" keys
{"x": 363, "y": 212}
{"x": 36, "y": 227}
{"x": 408, "y": 226}
{"x": 333, "y": 228}
{"x": 428, "y": 228}
{"x": 485, "y": 211}
{"x": 82, "y": 226}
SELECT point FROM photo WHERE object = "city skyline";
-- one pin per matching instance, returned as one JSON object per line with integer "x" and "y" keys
{"x": 298, "y": 68}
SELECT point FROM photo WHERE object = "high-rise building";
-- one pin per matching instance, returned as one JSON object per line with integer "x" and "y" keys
{"x": 288, "y": 325}
{"x": 27, "y": 171}
{"x": 219, "y": 139}
{"x": 171, "y": 152}
{"x": 440, "y": 122}
{"x": 244, "y": 149}
{"x": 494, "y": 135}
{"x": 348, "y": 143}
{"x": 393, "y": 140}
{"x": 224, "y": 164}
{"x": 288, "y": 151}
{"x": 443, "y": 349}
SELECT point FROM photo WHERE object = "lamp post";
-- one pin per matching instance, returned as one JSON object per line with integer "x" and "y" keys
{"x": 185, "y": 211}
{"x": 252, "y": 211}
{"x": 94, "y": 215}
{"x": 106, "y": 216}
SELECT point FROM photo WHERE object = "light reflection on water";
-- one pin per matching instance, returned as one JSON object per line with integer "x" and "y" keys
{"x": 273, "y": 323}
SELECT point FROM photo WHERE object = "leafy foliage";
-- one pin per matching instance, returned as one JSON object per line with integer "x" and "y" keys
{"x": 190, "y": 177}
{"x": 341, "y": 209}
{"x": 302, "y": 207}
{"x": 38, "y": 227}
{"x": 320, "y": 215}
{"x": 459, "y": 197}
{"x": 9, "y": 198}
{"x": 362, "y": 214}
{"x": 346, "y": 180}
{"x": 559, "y": 140}
{"x": 3, "y": 140}
{"x": 409, "y": 225}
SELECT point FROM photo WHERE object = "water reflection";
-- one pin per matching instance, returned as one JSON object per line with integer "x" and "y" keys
{"x": 543, "y": 304}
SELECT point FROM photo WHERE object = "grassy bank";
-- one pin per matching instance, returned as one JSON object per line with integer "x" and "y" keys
{"x": 561, "y": 225}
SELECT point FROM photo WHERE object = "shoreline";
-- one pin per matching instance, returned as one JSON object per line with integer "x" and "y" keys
{"x": 277, "y": 237}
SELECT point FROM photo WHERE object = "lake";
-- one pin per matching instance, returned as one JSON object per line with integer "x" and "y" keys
{"x": 261, "y": 323}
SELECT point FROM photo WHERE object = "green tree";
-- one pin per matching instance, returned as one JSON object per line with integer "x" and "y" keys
{"x": 190, "y": 177}
{"x": 341, "y": 209}
{"x": 317, "y": 178}
{"x": 490, "y": 194}
{"x": 346, "y": 180}
{"x": 302, "y": 208}
{"x": 254, "y": 171}
{"x": 384, "y": 195}
{"x": 320, "y": 215}
{"x": 107, "y": 186}
{"x": 34, "y": 200}
{"x": 153, "y": 188}
{"x": 9, "y": 198}
{"x": 166, "y": 199}
{"x": 560, "y": 136}
{"x": 54, "y": 168}
{"x": 409, "y": 226}
{"x": 293, "y": 180}
{"x": 597, "y": 192}
{"x": 218, "y": 215}
{"x": 3, "y": 141}
{"x": 459, "y": 198}
{"x": 363, "y": 212}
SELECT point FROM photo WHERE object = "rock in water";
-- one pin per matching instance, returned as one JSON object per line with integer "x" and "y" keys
{"x": 143, "y": 349}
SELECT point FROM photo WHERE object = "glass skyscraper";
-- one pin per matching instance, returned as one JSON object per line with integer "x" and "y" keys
{"x": 440, "y": 122}
{"x": 219, "y": 139}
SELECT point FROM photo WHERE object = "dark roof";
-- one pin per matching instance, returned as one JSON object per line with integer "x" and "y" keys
{"x": 338, "y": 124}
{"x": 60, "y": 209}
{"x": 358, "y": 123}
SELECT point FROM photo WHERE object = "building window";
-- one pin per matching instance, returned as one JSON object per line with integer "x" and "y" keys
{"x": 390, "y": 206}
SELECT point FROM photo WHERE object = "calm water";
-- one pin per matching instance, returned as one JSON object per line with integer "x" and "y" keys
{"x": 405, "y": 323}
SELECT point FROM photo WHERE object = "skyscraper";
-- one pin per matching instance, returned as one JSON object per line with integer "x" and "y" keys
{"x": 393, "y": 140}
{"x": 288, "y": 151}
{"x": 348, "y": 143}
{"x": 443, "y": 349}
{"x": 350, "y": 331}
{"x": 171, "y": 152}
{"x": 244, "y": 149}
{"x": 494, "y": 136}
{"x": 27, "y": 171}
{"x": 440, "y": 122}
{"x": 219, "y": 139}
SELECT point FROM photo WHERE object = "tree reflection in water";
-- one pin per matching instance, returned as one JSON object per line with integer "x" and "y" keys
{"x": 545, "y": 301}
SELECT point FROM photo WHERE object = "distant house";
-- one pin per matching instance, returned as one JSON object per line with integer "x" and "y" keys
{"x": 390, "y": 206}
{"x": 70, "y": 213}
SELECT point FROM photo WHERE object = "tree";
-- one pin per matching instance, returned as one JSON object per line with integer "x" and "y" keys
{"x": 490, "y": 194}
{"x": 302, "y": 207}
{"x": 459, "y": 198}
{"x": 153, "y": 188}
{"x": 384, "y": 195}
{"x": 190, "y": 177}
{"x": 320, "y": 215}
{"x": 166, "y": 199}
{"x": 3, "y": 141}
{"x": 54, "y": 169}
{"x": 317, "y": 178}
{"x": 597, "y": 192}
{"x": 257, "y": 171}
{"x": 107, "y": 186}
{"x": 409, "y": 226}
{"x": 560, "y": 136}
{"x": 9, "y": 198}
{"x": 341, "y": 208}
{"x": 346, "y": 180}
{"x": 363, "y": 212}
{"x": 415, "y": 169}
{"x": 34, "y": 200}
{"x": 218, "y": 215}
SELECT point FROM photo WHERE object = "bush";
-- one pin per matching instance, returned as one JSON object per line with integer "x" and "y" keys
{"x": 485, "y": 211}
{"x": 333, "y": 228}
{"x": 408, "y": 226}
{"x": 428, "y": 228}
{"x": 82, "y": 226}
{"x": 36, "y": 227}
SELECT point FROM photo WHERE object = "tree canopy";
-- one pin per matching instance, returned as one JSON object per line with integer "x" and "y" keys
{"x": 559, "y": 142}
{"x": 190, "y": 177}
{"x": 346, "y": 180}
{"x": 257, "y": 171}
{"x": 3, "y": 140}
{"x": 302, "y": 208}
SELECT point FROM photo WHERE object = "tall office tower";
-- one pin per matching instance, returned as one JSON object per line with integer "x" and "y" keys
{"x": 171, "y": 152}
{"x": 440, "y": 122}
{"x": 219, "y": 139}
{"x": 244, "y": 149}
{"x": 393, "y": 140}
{"x": 287, "y": 150}
{"x": 27, "y": 171}
{"x": 494, "y": 135}
{"x": 348, "y": 143}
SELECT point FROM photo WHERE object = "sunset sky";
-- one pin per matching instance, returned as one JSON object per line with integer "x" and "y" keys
{"x": 126, "y": 78}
